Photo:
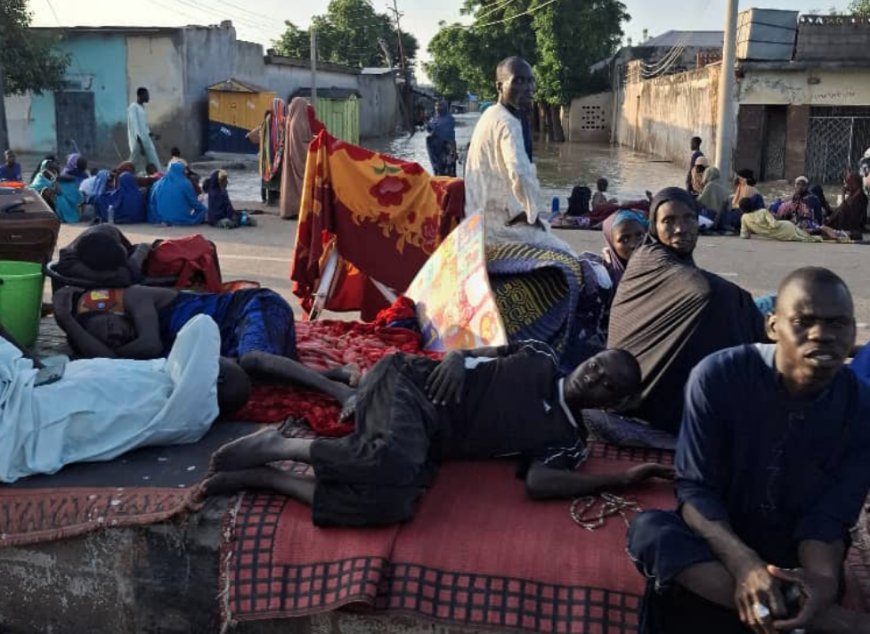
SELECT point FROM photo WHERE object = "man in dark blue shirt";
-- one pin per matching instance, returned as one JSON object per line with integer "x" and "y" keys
{"x": 772, "y": 471}
{"x": 11, "y": 169}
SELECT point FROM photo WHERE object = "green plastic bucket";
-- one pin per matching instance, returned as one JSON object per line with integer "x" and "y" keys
{"x": 21, "y": 299}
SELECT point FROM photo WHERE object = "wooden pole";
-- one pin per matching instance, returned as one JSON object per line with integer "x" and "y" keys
{"x": 313, "y": 67}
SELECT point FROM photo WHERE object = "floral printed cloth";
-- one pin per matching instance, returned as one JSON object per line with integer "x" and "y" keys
{"x": 386, "y": 216}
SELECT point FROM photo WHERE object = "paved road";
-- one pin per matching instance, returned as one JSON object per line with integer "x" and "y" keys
{"x": 263, "y": 253}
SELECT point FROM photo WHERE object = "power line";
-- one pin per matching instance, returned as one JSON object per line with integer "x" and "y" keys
{"x": 500, "y": 4}
{"x": 513, "y": 17}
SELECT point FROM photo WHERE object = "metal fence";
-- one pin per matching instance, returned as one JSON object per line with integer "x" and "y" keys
{"x": 836, "y": 142}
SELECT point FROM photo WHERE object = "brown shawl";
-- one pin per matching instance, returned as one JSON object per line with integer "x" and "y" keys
{"x": 298, "y": 136}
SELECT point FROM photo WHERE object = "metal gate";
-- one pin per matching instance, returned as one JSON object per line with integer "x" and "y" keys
{"x": 76, "y": 126}
{"x": 773, "y": 154}
{"x": 836, "y": 142}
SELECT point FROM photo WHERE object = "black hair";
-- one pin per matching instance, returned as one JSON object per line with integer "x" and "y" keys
{"x": 602, "y": 184}
{"x": 233, "y": 387}
{"x": 507, "y": 63}
{"x": 813, "y": 276}
{"x": 141, "y": 90}
{"x": 635, "y": 376}
{"x": 748, "y": 175}
{"x": 746, "y": 205}
{"x": 81, "y": 163}
{"x": 696, "y": 140}
{"x": 174, "y": 151}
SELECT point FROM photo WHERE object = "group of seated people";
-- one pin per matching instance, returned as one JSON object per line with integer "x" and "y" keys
{"x": 588, "y": 210}
{"x": 771, "y": 427}
{"x": 121, "y": 196}
{"x": 805, "y": 216}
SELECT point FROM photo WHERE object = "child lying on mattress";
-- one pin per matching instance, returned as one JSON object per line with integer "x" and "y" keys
{"x": 412, "y": 413}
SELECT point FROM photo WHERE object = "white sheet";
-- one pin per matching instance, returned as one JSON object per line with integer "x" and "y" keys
{"x": 102, "y": 408}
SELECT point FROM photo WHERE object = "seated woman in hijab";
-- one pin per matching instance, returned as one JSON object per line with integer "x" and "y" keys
{"x": 127, "y": 202}
{"x": 623, "y": 234}
{"x": 173, "y": 201}
{"x": 44, "y": 181}
{"x": 69, "y": 197}
{"x": 670, "y": 314}
{"x": 714, "y": 201}
{"x": 221, "y": 212}
{"x": 851, "y": 216}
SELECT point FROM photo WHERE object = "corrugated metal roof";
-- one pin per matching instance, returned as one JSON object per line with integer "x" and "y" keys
{"x": 690, "y": 39}
{"x": 328, "y": 93}
{"x": 237, "y": 85}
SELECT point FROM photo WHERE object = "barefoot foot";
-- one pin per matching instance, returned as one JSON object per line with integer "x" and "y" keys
{"x": 250, "y": 451}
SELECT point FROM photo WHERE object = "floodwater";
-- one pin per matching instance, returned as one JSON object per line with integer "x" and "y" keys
{"x": 561, "y": 166}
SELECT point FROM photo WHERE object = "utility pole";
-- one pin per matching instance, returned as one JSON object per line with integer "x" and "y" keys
{"x": 313, "y": 32}
{"x": 725, "y": 125}
{"x": 406, "y": 87}
{"x": 4, "y": 133}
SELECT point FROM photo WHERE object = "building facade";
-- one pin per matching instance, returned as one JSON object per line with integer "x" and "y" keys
{"x": 177, "y": 65}
{"x": 808, "y": 114}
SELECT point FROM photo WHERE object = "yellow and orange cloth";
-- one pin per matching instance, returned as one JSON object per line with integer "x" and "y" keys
{"x": 386, "y": 216}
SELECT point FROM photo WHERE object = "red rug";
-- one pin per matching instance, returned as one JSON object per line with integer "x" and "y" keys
{"x": 142, "y": 487}
{"x": 322, "y": 345}
{"x": 478, "y": 553}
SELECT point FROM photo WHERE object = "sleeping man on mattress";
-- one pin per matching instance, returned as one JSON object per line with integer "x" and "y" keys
{"x": 96, "y": 409}
{"x": 412, "y": 413}
{"x": 142, "y": 322}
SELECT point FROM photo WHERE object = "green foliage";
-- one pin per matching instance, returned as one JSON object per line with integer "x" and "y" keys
{"x": 350, "y": 32}
{"x": 561, "y": 40}
{"x": 860, "y": 7}
{"x": 30, "y": 60}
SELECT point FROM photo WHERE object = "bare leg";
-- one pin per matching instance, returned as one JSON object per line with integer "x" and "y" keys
{"x": 260, "y": 448}
{"x": 349, "y": 374}
{"x": 713, "y": 582}
{"x": 227, "y": 482}
{"x": 284, "y": 369}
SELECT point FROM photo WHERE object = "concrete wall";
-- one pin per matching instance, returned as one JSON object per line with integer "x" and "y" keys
{"x": 660, "y": 115}
{"x": 31, "y": 117}
{"x": 177, "y": 66}
{"x": 590, "y": 119}
{"x": 813, "y": 87}
{"x": 379, "y": 105}
{"x": 156, "y": 64}
{"x": 832, "y": 38}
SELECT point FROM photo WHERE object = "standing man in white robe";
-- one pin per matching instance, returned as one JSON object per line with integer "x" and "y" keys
{"x": 500, "y": 179}
{"x": 139, "y": 137}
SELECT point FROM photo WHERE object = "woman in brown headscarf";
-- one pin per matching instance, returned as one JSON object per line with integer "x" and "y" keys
{"x": 298, "y": 136}
{"x": 851, "y": 215}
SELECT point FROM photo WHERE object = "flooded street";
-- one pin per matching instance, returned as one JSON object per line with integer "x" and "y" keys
{"x": 561, "y": 166}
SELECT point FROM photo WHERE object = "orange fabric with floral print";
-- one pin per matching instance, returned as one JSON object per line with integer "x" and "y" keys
{"x": 386, "y": 215}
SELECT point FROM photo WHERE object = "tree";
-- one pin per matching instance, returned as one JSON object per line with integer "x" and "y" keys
{"x": 29, "y": 59}
{"x": 561, "y": 39}
{"x": 860, "y": 7}
{"x": 351, "y": 32}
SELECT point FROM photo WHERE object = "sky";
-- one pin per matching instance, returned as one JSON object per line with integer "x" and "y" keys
{"x": 262, "y": 20}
